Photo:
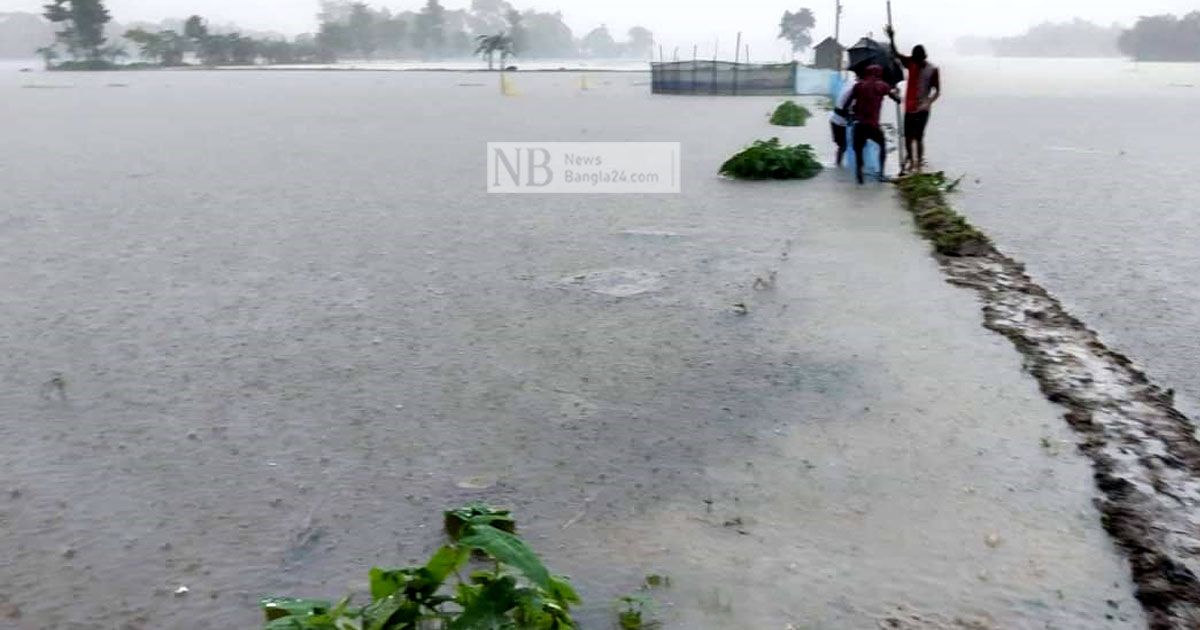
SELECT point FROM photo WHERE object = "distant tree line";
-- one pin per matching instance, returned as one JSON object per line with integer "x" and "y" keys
{"x": 1152, "y": 38}
{"x": 355, "y": 29}
{"x": 168, "y": 47}
{"x": 81, "y": 37}
{"x": 1163, "y": 38}
{"x": 347, "y": 29}
{"x": 1077, "y": 38}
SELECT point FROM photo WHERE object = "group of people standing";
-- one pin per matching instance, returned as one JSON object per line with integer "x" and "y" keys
{"x": 856, "y": 114}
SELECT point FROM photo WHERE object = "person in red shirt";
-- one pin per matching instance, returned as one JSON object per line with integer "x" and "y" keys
{"x": 923, "y": 89}
{"x": 865, "y": 103}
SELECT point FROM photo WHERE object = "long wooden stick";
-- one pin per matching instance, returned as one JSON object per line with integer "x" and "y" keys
{"x": 837, "y": 34}
{"x": 903, "y": 152}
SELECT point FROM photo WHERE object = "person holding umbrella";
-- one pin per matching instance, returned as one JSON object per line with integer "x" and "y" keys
{"x": 864, "y": 54}
{"x": 923, "y": 90}
{"x": 866, "y": 102}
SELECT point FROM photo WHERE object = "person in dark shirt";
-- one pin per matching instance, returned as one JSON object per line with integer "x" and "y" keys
{"x": 923, "y": 89}
{"x": 866, "y": 102}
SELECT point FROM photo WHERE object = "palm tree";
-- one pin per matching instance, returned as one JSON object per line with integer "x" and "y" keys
{"x": 489, "y": 45}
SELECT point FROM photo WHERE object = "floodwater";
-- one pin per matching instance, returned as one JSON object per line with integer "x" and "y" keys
{"x": 261, "y": 328}
{"x": 1085, "y": 170}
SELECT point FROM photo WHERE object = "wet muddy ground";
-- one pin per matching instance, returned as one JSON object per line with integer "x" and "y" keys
{"x": 260, "y": 329}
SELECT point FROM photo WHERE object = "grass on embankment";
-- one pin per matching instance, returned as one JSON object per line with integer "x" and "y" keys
{"x": 924, "y": 195}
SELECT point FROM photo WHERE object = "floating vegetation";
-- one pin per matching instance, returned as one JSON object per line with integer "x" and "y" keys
{"x": 769, "y": 159}
{"x": 633, "y": 612}
{"x": 789, "y": 114}
{"x": 925, "y": 196}
{"x": 509, "y": 588}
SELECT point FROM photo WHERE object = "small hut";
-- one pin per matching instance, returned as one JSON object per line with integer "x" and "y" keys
{"x": 829, "y": 55}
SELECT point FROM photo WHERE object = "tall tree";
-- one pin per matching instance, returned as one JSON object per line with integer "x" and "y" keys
{"x": 391, "y": 32}
{"x": 796, "y": 28}
{"x": 195, "y": 29}
{"x": 430, "y": 36}
{"x": 362, "y": 29}
{"x": 598, "y": 43}
{"x": 546, "y": 35}
{"x": 213, "y": 50}
{"x": 487, "y": 16}
{"x": 641, "y": 43}
{"x": 516, "y": 31}
{"x": 151, "y": 46}
{"x": 335, "y": 37}
{"x": 1163, "y": 38}
{"x": 83, "y": 26}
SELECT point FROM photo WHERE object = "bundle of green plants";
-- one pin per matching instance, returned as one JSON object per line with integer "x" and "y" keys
{"x": 507, "y": 588}
{"x": 949, "y": 231}
{"x": 789, "y": 114}
{"x": 769, "y": 159}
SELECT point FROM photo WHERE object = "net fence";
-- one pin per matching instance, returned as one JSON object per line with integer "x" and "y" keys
{"x": 729, "y": 78}
{"x": 722, "y": 77}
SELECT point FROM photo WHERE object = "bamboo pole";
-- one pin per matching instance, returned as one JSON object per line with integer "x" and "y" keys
{"x": 837, "y": 34}
{"x": 903, "y": 151}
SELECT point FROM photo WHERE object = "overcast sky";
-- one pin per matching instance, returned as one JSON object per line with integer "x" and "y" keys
{"x": 684, "y": 23}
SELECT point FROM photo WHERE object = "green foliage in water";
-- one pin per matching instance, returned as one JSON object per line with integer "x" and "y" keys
{"x": 768, "y": 159}
{"x": 789, "y": 114}
{"x": 633, "y": 612}
{"x": 949, "y": 231}
{"x": 510, "y": 588}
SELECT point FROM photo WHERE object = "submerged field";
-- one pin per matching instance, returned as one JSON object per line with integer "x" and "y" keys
{"x": 261, "y": 328}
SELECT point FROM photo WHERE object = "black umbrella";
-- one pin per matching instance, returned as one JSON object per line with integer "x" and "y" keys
{"x": 868, "y": 52}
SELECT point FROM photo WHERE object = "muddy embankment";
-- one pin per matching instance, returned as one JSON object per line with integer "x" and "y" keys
{"x": 1144, "y": 451}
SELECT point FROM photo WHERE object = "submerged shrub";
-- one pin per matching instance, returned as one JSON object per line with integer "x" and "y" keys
{"x": 789, "y": 114}
{"x": 768, "y": 159}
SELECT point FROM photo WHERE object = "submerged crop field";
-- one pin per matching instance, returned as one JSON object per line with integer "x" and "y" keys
{"x": 261, "y": 352}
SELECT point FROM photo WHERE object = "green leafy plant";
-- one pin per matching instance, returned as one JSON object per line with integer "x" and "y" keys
{"x": 769, "y": 159}
{"x": 951, "y": 234}
{"x": 789, "y": 114}
{"x": 509, "y": 590}
{"x": 456, "y": 520}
